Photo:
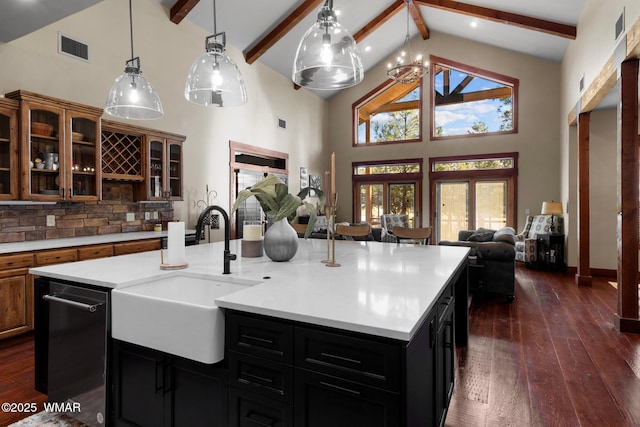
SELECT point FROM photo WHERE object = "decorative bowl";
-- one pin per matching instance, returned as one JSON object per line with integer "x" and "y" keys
{"x": 42, "y": 129}
{"x": 40, "y": 165}
{"x": 77, "y": 136}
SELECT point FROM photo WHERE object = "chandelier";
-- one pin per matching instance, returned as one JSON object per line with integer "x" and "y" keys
{"x": 409, "y": 67}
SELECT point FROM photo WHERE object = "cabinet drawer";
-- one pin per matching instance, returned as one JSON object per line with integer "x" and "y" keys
{"x": 135, "y": 247}
{"x": 250, "y": 410}
{"x": 266, "y": 377}
{"x": 94, "y": 252}
{"x": 357, "y": 359}
{"x": 57, "y": 256}
{"x": 260, "y": 337}
{"x": 324, "y": 400}
{"x": 8, "y": 262}
{"x": 445, "y": 303}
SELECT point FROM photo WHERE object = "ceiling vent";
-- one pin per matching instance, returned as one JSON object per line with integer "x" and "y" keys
{"x": 73, "y": 48}
{"x": 282, "y": 123}
{"x": 581, "y": 84}
{"x": 619, "y": 25}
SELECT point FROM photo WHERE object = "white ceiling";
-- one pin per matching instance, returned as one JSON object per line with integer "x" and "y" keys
{"x": 243, "y": 27}
{"x": 247, "y": 22}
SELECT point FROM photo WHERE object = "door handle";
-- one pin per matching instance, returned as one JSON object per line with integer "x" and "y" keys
{"x": 89, "y": 307}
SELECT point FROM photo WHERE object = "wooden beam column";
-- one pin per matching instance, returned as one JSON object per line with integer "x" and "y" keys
{"x": 583, "y": 275}
{"x": 626, "y": 320}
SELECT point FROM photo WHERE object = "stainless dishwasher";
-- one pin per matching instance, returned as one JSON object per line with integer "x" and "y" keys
{"x": 77, "y": 350}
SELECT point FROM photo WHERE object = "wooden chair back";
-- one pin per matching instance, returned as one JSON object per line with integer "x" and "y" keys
{"x": 300, "y": 228}
{"x": 360, "y": 230}
{"x": 418, "y": 234}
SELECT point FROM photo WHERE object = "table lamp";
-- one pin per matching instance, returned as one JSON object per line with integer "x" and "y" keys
{"x": 554, "y": 209}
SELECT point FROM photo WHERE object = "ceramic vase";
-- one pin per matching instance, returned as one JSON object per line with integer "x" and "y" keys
{"x": 281, "y": 241}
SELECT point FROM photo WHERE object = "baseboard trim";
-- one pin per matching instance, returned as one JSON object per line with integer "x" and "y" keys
{"x": 627, "y": 325}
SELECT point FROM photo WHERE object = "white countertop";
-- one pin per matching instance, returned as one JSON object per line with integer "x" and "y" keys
{"x": 380, "y": 288}
{"x": 38, "y": 245}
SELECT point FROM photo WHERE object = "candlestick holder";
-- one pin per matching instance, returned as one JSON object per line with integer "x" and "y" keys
{"x": 332, "y": 258}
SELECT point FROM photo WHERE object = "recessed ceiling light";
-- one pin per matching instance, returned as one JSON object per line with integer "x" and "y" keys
{"x": 474, "y": 24}
{"x": 367, "y": 48}
{"x": 337, "y": 12}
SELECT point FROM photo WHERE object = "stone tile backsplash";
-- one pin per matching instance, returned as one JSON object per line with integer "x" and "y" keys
{"x": 19, "y": 223}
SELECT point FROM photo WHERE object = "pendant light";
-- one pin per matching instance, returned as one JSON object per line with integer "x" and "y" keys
{"x": 409, "y": 67}
{"x": 214, "y": 79}
{"x": 327, "y": 56}
{"x": 131, "y": 95}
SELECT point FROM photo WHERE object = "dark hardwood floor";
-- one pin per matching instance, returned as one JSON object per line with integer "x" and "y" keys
{"x": 551, "y": 358}
{"x": 17, "y": 384}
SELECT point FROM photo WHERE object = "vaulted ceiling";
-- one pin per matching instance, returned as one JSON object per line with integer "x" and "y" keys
{"x": 269, "y": 30}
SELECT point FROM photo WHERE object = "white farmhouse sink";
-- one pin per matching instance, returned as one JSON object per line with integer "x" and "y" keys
{"x": 176, "y": 314}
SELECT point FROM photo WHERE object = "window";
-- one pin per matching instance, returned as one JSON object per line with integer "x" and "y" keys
{"x": 390, "y": 113}
{"x": 469, "y": 101}
{"x": 471, "y": 192}
{"x": 387, "y": 187}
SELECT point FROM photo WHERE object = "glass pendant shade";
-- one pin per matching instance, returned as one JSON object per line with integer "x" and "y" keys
{"x": 214, "y": 79}
{"x": 327, "y": 57}
{"x": 132, "y": 96}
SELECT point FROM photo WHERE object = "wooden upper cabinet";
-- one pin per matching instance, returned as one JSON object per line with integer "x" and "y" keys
{"x": 151, "y": 157}
{"x": 164, "y": 168}
{"x": 8, "y": 149}
{"x": 59, "y": 149}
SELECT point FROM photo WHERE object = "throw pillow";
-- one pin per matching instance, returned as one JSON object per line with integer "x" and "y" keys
{"x": 481, "y": 235}
{"x": 506, "y": 234}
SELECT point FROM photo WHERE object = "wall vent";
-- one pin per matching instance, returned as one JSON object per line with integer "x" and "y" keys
{"x": 282, "y": 123}
{"x": 619, "y": 26}
{"x": 73, "y": 48}
{"x": 581, "y": 83}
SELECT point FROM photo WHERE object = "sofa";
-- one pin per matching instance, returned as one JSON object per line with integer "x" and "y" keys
{"x": 494, "y": 270}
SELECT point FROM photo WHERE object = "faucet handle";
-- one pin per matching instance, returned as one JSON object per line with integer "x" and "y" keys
{"x": 231, "y": 257}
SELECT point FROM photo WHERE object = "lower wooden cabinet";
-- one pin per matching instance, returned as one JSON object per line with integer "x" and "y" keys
{"x": 136, "y": 246}
{"x": 16, "y": 284}
{"x": 16, "y": 294}
{"x": 153, "y": 389}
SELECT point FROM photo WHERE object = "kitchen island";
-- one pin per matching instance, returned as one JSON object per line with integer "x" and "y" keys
{"x": 393, "y": 304}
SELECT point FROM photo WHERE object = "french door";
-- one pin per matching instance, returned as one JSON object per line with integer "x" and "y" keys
{"x": 378, "y": 198}
{"x": 470, "y": 204}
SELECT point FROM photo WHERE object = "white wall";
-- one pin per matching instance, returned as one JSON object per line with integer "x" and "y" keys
{"x": 586, "y": 56}
{"x": 167, "y": 51}
{"x": 537, "y": 140}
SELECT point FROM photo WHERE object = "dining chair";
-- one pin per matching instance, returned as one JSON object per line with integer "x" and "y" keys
{"x": 359, "y": 230}
{"x": 417, "y": 235}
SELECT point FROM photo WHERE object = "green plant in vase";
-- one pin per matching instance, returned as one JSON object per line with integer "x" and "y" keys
{"x": 276, "y": 201}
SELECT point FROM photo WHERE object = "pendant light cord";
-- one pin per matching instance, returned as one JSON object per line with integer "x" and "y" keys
{"x": 214, "y": 18}
{"x": 131, "y": 27}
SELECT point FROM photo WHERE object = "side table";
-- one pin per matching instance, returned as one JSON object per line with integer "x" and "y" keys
{"x": 551, "y": 252}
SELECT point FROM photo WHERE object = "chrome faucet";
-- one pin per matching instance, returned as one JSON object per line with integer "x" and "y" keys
{"x": 228, "y": 256}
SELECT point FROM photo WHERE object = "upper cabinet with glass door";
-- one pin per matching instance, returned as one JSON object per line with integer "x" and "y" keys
{"x": 8, "y": 149}
{"x": 164, "y": 168}
{"x": 59, "y": 148}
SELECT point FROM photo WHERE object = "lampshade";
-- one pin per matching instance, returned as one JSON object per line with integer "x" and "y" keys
{"x": 408, "y": 67}
{"x": 131, "y": 95}
{"x": 327, "y": 57}
{"x": 214, "y": 79}
{"x": 551, "y": 208}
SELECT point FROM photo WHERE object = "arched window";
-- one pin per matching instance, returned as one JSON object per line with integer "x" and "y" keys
{"x": 390, "y": 113}
{"x": 469, "y": 101}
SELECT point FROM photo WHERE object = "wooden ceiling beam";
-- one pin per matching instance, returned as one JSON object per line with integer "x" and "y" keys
{"x": 500, "y": 92}
{"x": 414, "y": 11}
{"x": 181, "y": 9}
{"x": 377, "y": 22}
{"x": 259, "y": 47}
{"x": 548, "y": 27}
